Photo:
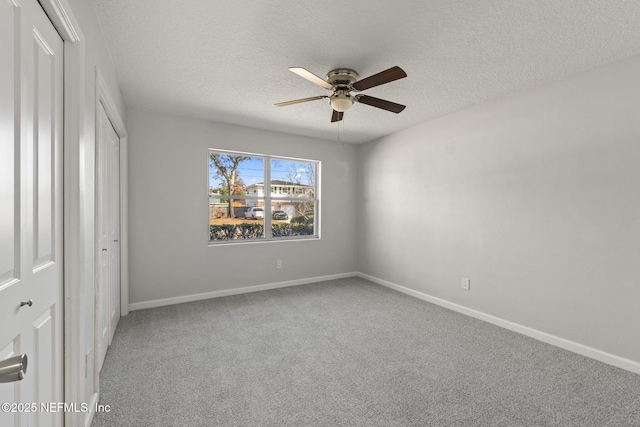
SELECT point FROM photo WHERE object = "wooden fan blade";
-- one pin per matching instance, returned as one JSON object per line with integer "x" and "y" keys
{"x": 298, "y": 101}
{"x": 311, "y": 77}
{"x": 386, "y": 76}
{"x": 380, "y": 103}
{"x": 336, "y": 116}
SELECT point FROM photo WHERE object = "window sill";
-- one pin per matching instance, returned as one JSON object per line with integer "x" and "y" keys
{"x": 262, "y": 241}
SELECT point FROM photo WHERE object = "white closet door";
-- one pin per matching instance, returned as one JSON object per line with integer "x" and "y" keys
{"x": 108, "y": 233}
{"x": 31, "y": 274}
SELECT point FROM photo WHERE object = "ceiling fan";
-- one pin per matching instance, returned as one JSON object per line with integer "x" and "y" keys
{"x": 343, "y": 81}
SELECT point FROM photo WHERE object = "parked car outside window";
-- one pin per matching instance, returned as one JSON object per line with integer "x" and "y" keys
{"x": 280, "y": 215}
{"x": 254, "y": 213}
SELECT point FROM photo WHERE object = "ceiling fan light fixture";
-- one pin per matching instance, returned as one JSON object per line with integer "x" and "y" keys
{"x": 343, "y": 81}
{"x": 341, "y": 101}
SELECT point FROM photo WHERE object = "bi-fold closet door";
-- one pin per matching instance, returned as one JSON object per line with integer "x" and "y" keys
{"x": 108, "y": 233}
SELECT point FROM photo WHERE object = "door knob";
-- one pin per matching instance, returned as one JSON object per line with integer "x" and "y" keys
{"x": 29, "y": 303}
{"x": 13, "y": 369}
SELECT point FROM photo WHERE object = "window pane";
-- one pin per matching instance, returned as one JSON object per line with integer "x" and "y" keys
{"x": 234, "y": 174}
{"x": 247, "y": 222}
{"x": 292, "y": 218}
{"x": 292, "y": 178}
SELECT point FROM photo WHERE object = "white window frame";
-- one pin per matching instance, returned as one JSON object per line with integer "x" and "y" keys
{"x": 267, "y": 199}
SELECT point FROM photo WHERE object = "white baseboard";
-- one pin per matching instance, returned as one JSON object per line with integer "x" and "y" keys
{"x": 236, "y": 291}
{"x": 602, "y": 356}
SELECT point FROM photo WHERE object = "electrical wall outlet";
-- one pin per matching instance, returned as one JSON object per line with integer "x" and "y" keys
{"x": 466, "y": 284}
{"x": 279, "y": 264}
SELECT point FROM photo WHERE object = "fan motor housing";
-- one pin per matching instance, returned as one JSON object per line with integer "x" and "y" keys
{"x": 342, "y": 77}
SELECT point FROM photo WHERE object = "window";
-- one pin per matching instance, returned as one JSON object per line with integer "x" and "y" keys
{"x": 255, "y": 197}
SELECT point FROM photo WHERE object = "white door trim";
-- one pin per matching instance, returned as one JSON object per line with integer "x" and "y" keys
{"x": 62, "y": 17}
{"x": 78, "y": 257}
{"x": 76, "y": 221}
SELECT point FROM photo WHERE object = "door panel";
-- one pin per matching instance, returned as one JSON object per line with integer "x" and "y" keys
{"x": 44, "y": 120}
{"x": 10, "y": 392}
{"x": 44, "y": 69}
{"x": 31, "y": 66}
{"x": 9, "y": 149}
{"x": 45, "y": 360}
{"x": 114, "y": 228}
{"x": 102, "y": 255}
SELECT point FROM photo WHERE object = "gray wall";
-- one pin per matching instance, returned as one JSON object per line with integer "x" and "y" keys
{"x": 535, "y": 198}
{"x": 168, "y": 203}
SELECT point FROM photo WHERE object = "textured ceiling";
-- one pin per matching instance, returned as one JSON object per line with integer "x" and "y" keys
{"x": 227, "y": 61}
